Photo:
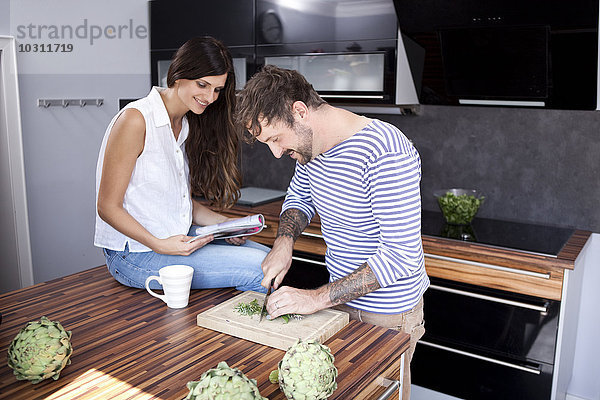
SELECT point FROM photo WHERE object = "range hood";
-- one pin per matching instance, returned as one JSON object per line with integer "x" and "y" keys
{"x": 526, "y": 53}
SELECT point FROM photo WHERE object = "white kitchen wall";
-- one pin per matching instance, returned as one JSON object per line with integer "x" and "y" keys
{"x": 60, "y": 145}
{"x": 4, "y": 16}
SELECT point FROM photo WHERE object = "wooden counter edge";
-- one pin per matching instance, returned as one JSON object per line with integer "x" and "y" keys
{"x": 464, "y": 250}
{"x": 508, "y": 257}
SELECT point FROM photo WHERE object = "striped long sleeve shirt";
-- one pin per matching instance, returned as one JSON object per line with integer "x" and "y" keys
{"x": 366, "y": 191}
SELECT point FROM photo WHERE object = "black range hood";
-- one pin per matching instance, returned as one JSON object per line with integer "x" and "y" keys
{"x": 532, "y": 53}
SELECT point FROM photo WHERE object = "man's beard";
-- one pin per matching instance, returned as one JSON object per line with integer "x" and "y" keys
{"x": 305, "y": 145}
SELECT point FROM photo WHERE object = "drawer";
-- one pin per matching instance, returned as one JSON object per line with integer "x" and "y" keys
{"x": 495, "y": 322}
{"x": 534, "y": 282}
{"x": 475, "y": 376}
{"x": 385, "y": 385}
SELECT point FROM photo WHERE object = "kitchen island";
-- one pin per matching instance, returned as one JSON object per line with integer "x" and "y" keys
{"x": 129, "y": 345}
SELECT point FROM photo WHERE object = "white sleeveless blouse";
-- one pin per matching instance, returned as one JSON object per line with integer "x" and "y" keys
{"x": 158, "y": 195}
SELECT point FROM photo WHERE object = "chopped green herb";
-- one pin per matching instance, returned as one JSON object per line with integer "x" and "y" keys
{"x": 253, "y": 308}
{"x": 248, "y": 309}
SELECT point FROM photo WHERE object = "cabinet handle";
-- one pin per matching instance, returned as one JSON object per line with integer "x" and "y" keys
{"x": 308, "y": 260}
{"x": 531, "y": 370}
{"x": 490, "y": 266}
{"x": 312, "y": 235}
{"x": 541, "y": 309}
{"x": 350, "y": 96}
{"x": 389, "y": 392}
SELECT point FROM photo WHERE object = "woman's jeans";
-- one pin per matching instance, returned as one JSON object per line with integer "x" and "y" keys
{"x": 216, "y": 265}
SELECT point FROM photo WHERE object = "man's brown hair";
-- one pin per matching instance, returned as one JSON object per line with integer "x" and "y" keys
{"x": 269, "y": 96}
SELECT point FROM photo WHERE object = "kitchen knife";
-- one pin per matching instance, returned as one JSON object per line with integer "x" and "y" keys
{"x": 263, "y": 311}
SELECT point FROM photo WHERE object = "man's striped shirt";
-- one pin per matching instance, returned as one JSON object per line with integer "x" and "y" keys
{"x": 366, "y": 191}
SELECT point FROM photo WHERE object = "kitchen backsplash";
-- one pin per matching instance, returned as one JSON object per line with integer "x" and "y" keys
{"x": 537, "y": 166}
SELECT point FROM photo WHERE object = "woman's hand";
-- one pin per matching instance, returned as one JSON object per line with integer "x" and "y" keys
{"x": 237, "y": 241}
{"x": 178, "y": 245}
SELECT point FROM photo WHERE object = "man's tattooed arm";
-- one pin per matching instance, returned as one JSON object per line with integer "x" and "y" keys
{"x": 291, "y": 223}
{"x": 353, "y": 286}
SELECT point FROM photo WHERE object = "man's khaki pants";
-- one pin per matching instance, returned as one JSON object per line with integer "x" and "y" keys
{"x": 410, "y": 322}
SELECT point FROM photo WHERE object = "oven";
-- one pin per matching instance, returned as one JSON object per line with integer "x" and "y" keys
{"x": 484, "y": 343}
{"x": 243, "y": 64}
{"x": 346, "y": 50}
{"x": 308, "y": 271}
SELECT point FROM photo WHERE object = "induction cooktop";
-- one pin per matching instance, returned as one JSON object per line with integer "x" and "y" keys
{"x": 530, "y": 238}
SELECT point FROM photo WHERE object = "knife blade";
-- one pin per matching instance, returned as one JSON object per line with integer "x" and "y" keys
{"x": 263, "y": 311}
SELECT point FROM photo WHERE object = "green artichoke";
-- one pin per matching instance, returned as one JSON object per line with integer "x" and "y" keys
{"x": 223, "y": 383}
{"x": 306, "y": 371}
{"x": 40, "y": 350}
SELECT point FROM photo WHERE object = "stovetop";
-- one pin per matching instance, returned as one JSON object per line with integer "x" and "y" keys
{"x": 530, "y": 238}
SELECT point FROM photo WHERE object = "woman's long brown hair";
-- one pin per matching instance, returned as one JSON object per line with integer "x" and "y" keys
{"x": 212, "y": 146}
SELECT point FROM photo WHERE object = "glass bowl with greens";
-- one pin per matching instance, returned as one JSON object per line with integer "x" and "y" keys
{"x": 459, "y": 206}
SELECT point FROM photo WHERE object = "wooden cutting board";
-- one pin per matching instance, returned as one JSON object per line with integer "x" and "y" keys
{"x": 274, "y": 333}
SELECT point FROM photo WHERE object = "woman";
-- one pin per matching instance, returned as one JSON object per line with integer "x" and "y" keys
{"x": 160, "y": 151}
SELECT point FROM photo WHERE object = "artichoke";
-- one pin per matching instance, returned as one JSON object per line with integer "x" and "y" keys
{"x": 306, "y": 372}
{"x": 40, "y": 350}
{"x": 223, "y": 383}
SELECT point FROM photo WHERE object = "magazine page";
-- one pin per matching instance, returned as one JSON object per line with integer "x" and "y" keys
{"x": 249, "y": 225}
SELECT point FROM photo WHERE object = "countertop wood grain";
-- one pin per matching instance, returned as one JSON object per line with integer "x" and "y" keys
{"x": 478, "y": 264}
{"x": 453, "y": 248}
{"x": 129, "y": 345}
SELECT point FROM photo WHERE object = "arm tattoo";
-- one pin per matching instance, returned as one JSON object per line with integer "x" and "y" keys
{"x": 353, "y": 286}
{"x": 291, "y": 223}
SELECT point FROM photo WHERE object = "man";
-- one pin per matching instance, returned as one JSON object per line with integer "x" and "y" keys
{"x": 362, "y": 176}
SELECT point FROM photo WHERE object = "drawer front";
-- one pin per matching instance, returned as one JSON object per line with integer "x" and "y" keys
{"x": 469, "y": 376}
{"x": 495, "y": 322}
{"x": 540, "y": 283}
{"x": 386, "y": 387}
{"x": 382, "y": 383}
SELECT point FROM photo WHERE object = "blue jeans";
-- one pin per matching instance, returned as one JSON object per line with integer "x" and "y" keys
{"x": 216, "y": 265}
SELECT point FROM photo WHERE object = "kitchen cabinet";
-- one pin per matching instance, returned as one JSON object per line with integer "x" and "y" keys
{"x": 500, "y": 320}
{"x": 129, "y": 345}
{"x": 170, "y": 28}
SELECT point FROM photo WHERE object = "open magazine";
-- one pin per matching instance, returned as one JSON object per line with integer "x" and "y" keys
{"x": 250, "y": 225}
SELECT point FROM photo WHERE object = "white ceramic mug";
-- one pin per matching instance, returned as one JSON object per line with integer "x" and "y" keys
{"x": 176, "y": 281}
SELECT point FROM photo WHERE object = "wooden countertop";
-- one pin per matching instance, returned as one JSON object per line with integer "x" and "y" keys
{"x": 462, "y": 261}
{"x": 455, "y": 248}
{"x": 129, "y": 345}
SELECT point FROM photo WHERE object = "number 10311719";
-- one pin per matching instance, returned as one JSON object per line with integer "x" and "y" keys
{"x": 45, "y": 47}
